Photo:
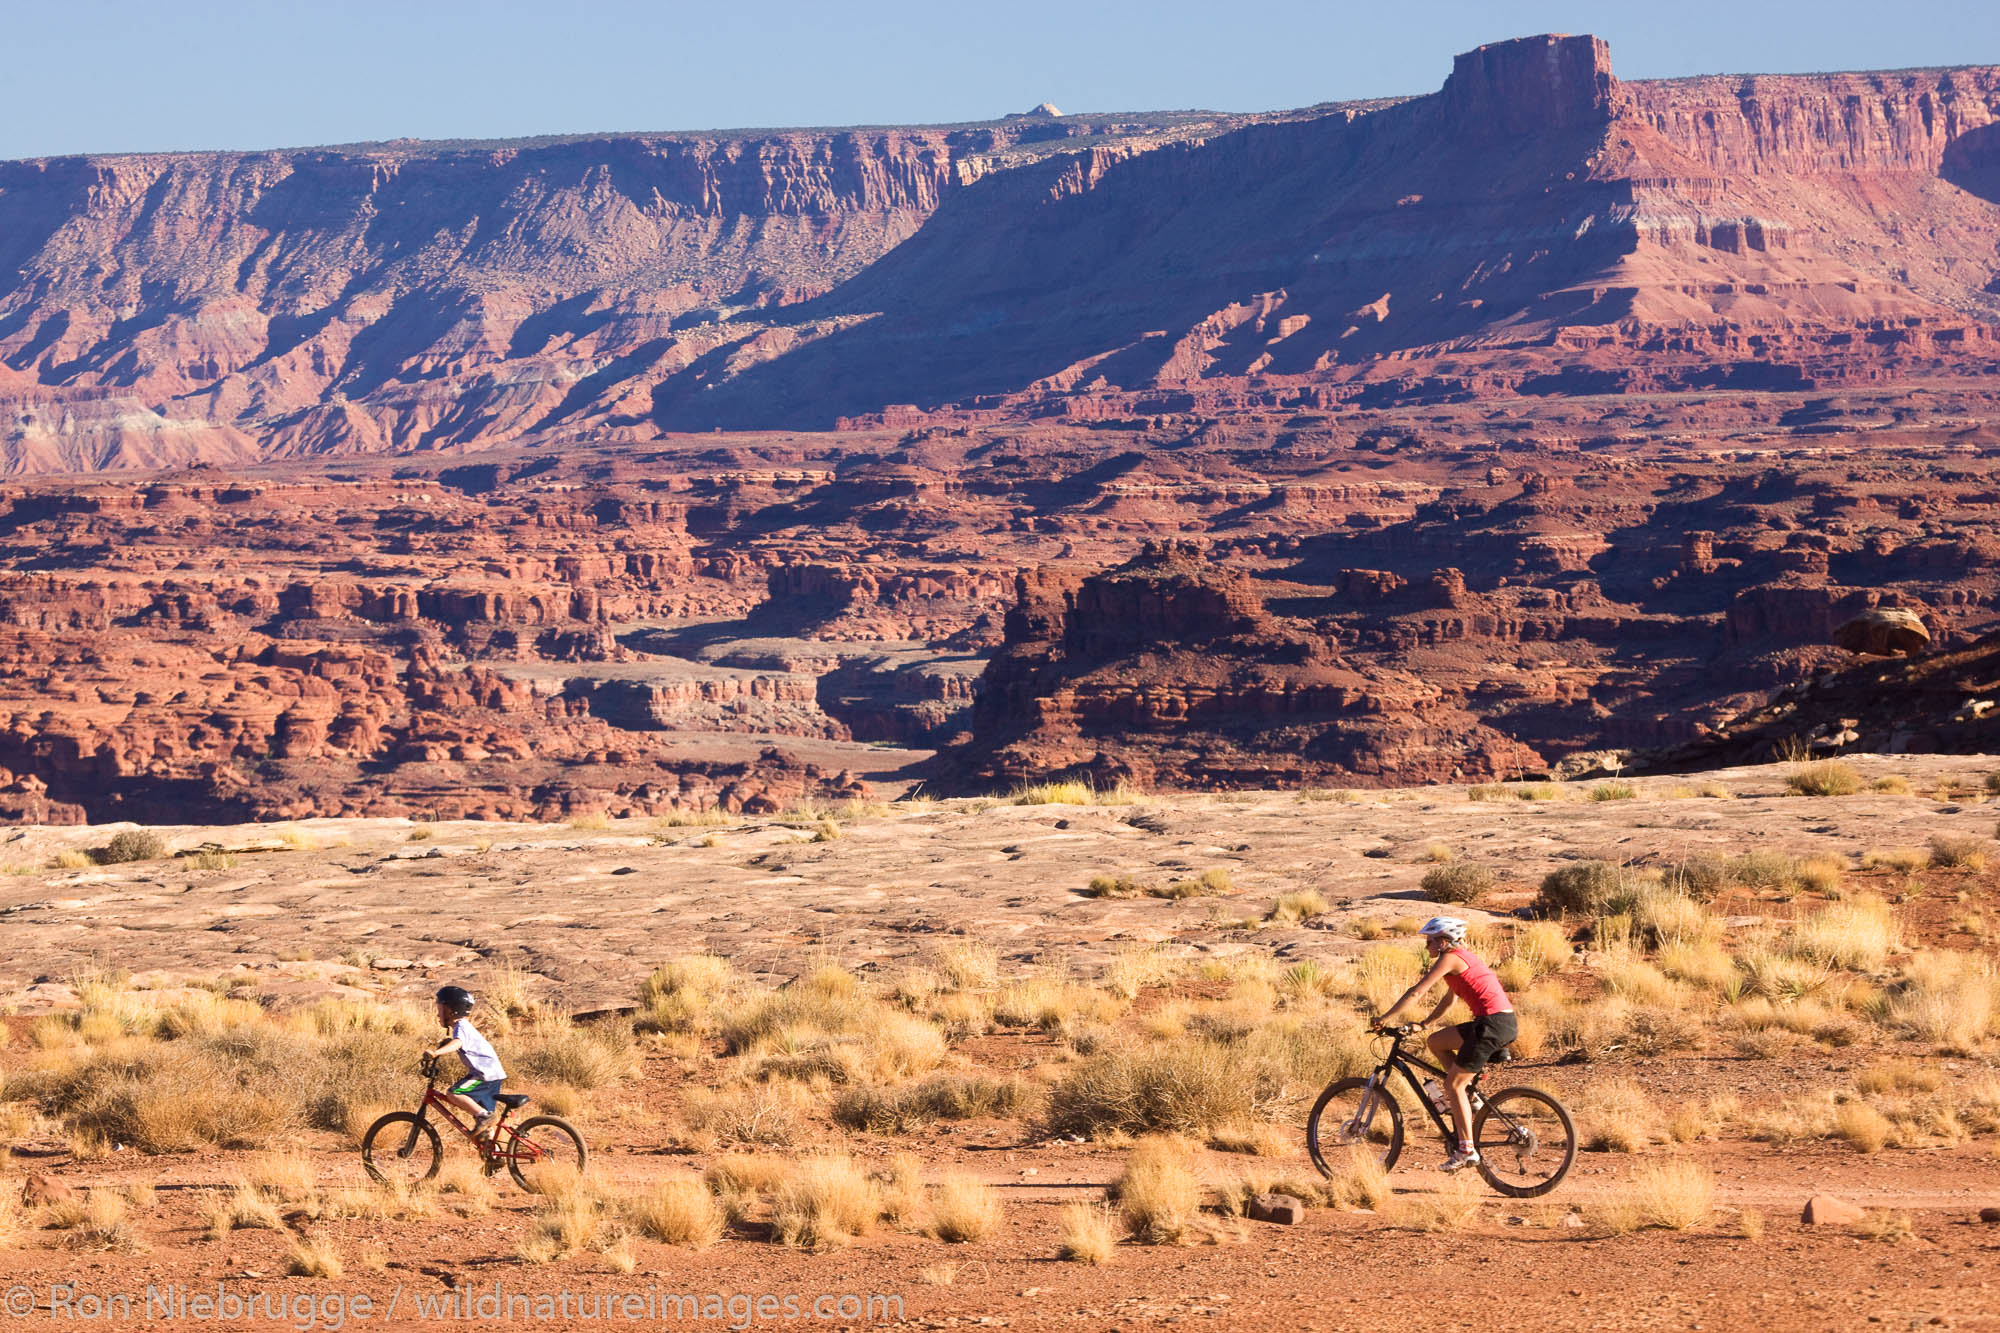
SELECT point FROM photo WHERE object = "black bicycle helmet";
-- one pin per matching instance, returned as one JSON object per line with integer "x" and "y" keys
{"x": 456, "y": 999}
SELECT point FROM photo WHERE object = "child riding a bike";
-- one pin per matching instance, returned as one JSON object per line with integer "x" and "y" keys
{"x": 1463, "y": 1049}
{"x": 479, "y": 1090}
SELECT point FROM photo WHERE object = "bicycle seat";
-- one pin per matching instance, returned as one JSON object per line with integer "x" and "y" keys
{"x": 513, "y": 1101}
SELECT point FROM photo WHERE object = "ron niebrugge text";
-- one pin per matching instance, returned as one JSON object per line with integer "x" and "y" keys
{"x": 332, "y": 1311}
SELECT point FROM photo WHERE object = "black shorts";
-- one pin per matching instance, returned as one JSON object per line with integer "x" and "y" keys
{"x": 1481, "y": 1037}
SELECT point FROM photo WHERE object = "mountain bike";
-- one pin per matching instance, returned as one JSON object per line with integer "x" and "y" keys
{"x": 1525, "y": 1138}
{"x": 403, "y": 1148}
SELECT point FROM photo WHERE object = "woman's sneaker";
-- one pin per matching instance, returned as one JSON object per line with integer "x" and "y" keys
{"x": 1460, "y": 1159}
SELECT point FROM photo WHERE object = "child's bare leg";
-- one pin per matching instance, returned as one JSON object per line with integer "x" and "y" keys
{"x": 465, "y": 1103}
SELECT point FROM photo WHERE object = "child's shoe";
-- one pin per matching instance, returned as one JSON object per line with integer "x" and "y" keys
{"x": 482, "y": 1128}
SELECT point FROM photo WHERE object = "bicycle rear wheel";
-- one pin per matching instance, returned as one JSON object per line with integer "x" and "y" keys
{"x": 1348, "y": 1115}
{"x": 1526, "y": 1142}
{"x": 545, "y": 1153}
{"x": 401, "y": 1149}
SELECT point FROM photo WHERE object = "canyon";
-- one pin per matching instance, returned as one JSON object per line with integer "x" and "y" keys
{"x": 1454, "y": 437}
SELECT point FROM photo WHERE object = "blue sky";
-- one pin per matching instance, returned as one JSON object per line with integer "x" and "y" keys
{"x": 120, "y": 75}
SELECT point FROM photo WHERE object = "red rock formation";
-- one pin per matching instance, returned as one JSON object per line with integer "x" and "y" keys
{"x": 1534, "y": 227}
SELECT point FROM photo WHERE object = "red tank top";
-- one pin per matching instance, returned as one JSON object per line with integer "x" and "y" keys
{"x": 1478, "y": 987}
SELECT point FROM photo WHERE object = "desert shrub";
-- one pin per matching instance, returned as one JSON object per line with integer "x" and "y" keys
{"x": 1158, "y": 1191}
{"x": 952, "y": 1096}
{"x": 763, "y": 1113}
{"x": 1892, "y": 785}
{"x": 1591, "y": 887}
{"x": 1763, "y": 870}
{"x": 1459, "y": 882}
{"x": 963, "y": 1208}
{"x": 1700, "y": 877}
{"x": 175, "y": 1096}
{"x": 1959, "y": 853}
{"x": 1188, "y": 1086}
{"x": 581, "y": 1057}
{"x": 1086, "y": 1234}
{"x": 1613, "y": 791}
{"x": 131, "y": 845}
{"x": 1115, "y": 886}
{"x": 1993, "y": 784}
{"x": 1824, "y": 777}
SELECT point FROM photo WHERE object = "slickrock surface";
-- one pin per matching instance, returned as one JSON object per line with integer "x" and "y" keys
{"x": 311, "y": 908}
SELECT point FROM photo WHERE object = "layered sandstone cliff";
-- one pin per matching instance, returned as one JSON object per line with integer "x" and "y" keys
{"x": 1534, "y": 226}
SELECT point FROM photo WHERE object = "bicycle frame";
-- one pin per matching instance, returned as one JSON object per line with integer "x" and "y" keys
{"x": 518, "y": 1148}
{"x": 1401, "y": 1061}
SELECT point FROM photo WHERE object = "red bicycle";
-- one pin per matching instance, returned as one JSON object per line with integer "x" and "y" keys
{"x": 403, "y": 1148}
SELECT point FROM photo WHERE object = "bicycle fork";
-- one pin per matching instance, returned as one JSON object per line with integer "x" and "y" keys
{"x": 1364, "y": 1114}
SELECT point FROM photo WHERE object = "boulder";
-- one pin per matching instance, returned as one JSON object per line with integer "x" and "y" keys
{"x": 1989, "y": 1214}
{"x": 39, "y": 1191}
{"x": 1280, "y": 1208}
{"x": 1823, "y": 1210}
{"x": 1884, "y": 632}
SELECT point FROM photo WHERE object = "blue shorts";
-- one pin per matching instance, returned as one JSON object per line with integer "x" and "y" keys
{"x": 484, "y": 1091}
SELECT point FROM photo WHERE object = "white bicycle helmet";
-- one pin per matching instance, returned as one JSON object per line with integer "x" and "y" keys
{"x": 1448, "y": 926}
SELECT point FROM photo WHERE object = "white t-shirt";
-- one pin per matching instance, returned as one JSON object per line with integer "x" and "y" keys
{"x": 476, "y": 1051}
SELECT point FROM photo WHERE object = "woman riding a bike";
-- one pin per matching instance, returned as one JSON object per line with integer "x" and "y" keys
{"x": 1464, "y": 1048}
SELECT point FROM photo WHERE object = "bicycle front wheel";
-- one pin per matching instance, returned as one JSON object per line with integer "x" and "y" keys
{"x": 401, "y": 1149}
{"x": 544, "y": 1153}
{"x": 1350, "y": 1114}
{"x": 1526, "y": 1142}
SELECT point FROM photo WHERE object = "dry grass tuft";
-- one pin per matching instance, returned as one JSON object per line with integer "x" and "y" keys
{"x": 1292, "y": 908}
{"x": 1863, "y": 1126}
{"x": 1825, "y": 777}
{"x": 1906, "y": 860}
{"x": 1860, "y": 934}
{"x": 1088, "y": 1235}
{"x": 825, "y": 1202}
{"x": 1676, "y": 1194}
{"x": 676, "y": 1212}
{"x": 1054, "y": 793}
{"x": 963, "y": 1208}
{"x": 309, "y": 1257}
{"x": 1158, "y": 1191}
{"x": 1613, "y": 791}
{"x": 1452, "y": 1205}
{"x": 1358, "y": 1180}
{"x": 1258, "y": 1139}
